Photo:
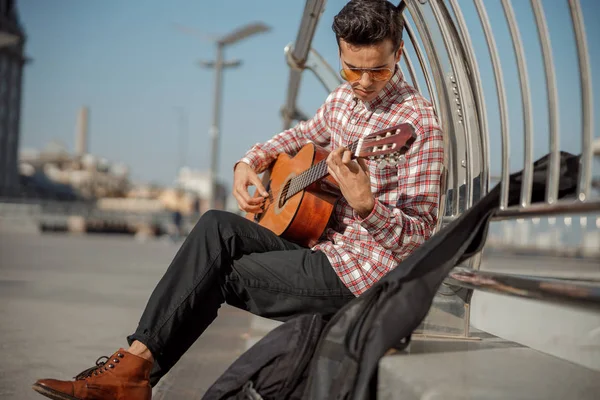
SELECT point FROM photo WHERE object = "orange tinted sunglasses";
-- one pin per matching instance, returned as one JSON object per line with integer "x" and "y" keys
{"x": 377, "y": 74}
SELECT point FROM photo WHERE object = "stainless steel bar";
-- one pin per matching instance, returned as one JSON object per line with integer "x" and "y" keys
{"x": 558, "y": 207}
{"x": 576, "y": 293}
{"x": 312, "y": 12}
{"x": 411, "y": 71}
{"x": 308, "y": 25}
{"x": 460, "y": 86}
{"x": 323, "y": 71}
{"x": 477, "y": 89}
{"x": 587, "y": 117}
{"x": 553, "y": 115}
{"x": 441, "y": 104}
{"x": 479, "y": 96}
{"x": 288, "y": 109}
{"x": 526, "y": 186}
{"x": 499, "y": 79}
{"x": 419, "y": 54}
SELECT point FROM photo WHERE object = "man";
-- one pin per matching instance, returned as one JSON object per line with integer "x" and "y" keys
{"x": 384, "y": 214}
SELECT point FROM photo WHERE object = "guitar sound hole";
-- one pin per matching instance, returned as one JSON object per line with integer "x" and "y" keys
{"x": 284, "y": 194}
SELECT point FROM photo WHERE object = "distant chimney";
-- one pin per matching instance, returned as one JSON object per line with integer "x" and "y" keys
{"x": 81, "y": 138}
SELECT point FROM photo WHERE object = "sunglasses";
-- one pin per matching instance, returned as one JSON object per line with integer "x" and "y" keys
{"x": 377, "y": 74}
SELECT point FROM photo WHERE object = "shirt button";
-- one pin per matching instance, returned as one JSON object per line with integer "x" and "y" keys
{"x": 353, "y": 121}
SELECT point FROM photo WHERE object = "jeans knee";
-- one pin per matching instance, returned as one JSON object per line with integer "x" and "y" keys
{"x": 213, "y": 221}
{"x": 209, "y": 220}
{"x": 211, "y": 217}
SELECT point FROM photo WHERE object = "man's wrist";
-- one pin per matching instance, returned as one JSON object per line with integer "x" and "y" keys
{"x": 365, "y": 210}
{"x": 240, "y": 162}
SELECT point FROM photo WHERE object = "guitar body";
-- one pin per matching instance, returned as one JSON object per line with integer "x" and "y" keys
{"x": 303, "y": 217}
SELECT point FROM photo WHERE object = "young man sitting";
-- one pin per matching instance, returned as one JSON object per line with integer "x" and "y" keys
{"x": 382, "y": 216}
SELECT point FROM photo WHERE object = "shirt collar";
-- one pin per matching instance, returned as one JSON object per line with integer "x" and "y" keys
{"x": 392, "y": 87}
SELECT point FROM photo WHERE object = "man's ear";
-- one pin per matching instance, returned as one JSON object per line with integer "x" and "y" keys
{"x": 399, "y": 52}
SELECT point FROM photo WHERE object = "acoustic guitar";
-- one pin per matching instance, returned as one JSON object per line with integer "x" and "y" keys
{"x": 302, "y": 194}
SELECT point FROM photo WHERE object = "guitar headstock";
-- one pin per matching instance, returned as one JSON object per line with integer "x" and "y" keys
{"x": 387, "y": 145}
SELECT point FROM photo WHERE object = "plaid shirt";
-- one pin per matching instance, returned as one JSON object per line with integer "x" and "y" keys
{"x": 406, "y": 196}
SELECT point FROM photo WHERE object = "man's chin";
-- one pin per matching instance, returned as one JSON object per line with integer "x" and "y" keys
{"x": 365, "y": 96}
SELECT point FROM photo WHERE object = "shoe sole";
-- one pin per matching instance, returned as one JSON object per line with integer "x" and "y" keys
{"x": 51, "y": 393}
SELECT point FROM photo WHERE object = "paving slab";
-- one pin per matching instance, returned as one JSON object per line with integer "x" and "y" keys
{"x": 67, "y": 300}
{"x": 489, "y": 369}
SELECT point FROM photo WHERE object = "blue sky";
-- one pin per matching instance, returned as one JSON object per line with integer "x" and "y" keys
{"x": 134, "y": 70}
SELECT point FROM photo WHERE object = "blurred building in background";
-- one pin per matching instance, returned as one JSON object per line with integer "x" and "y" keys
{"x": 80, "y": 191}
{"x": 55, "y": 173}
{"x": 198, "y": 184}
{"x": 12, "y": 60}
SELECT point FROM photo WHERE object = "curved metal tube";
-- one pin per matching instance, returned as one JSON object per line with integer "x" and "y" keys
{"x": 435, "y": 7}
{"x": 587, "y": 116}
{"x": 421, "y": 59}
{"x": 443, "y": 102}
{"x": 411, "y": 71}
{"x": 323, "y": 71}
{"x": 479, "y": 96}
{"x": 577, "y": 293}
{"x": 504, "y": 125}
{"x": 556, "y": 208}
{"x": 312, "y": 12}
{"x": 553, "y": 124}
{"x": 526, "y": 187}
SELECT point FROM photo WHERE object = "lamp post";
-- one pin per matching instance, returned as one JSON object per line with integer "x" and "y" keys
{"x": 219, "y": 64}
{"x": 182, "y": 133}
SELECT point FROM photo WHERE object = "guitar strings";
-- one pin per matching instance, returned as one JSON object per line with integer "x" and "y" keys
{"x": 308, "y": 175}
{"x": 297, "y": 181}
{"x": 317, "y": 170}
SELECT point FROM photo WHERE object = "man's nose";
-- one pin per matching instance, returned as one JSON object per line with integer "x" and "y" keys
{"x": 365, "y": 80}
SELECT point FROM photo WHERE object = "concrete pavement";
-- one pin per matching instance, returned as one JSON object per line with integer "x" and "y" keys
{"x": 67, "y": 300}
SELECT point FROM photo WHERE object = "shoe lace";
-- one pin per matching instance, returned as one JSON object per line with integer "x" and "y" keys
{"x": 100, "y": 367}
{"x": 100, "y": 362}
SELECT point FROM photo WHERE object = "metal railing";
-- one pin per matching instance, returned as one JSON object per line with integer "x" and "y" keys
{"x": 450, "y": 66}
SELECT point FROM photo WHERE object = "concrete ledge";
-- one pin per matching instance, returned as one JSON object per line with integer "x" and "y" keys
{"x": 491, "y": 368}
{"x": 559, "y": 330}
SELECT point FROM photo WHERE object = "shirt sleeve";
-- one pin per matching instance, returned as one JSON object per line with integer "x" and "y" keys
{"x": 412, "y": 220}
{"x": 290, "y": 141}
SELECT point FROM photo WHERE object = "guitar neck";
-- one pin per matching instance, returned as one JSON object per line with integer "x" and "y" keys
{"x": 313, "y": 174}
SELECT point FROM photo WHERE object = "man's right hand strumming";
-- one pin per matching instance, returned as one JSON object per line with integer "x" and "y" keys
{"x": 244, "y": 176}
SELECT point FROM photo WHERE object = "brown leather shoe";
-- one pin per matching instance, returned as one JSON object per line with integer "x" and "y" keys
{"x": 119, "y": 377}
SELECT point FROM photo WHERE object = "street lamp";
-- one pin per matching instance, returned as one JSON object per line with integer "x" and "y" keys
{"x": 219, "y": 64}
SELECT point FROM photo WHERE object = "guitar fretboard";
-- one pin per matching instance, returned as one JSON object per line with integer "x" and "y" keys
{"x": 311, "y": 175}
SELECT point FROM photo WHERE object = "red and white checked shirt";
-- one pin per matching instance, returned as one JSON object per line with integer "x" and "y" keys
{"x": 362, "y": 251}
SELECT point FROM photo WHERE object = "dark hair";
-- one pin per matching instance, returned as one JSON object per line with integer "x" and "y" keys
{"x": 368, "y": 22}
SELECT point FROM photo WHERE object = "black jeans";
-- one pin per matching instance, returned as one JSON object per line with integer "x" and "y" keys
{"x": 227, "y": 258}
